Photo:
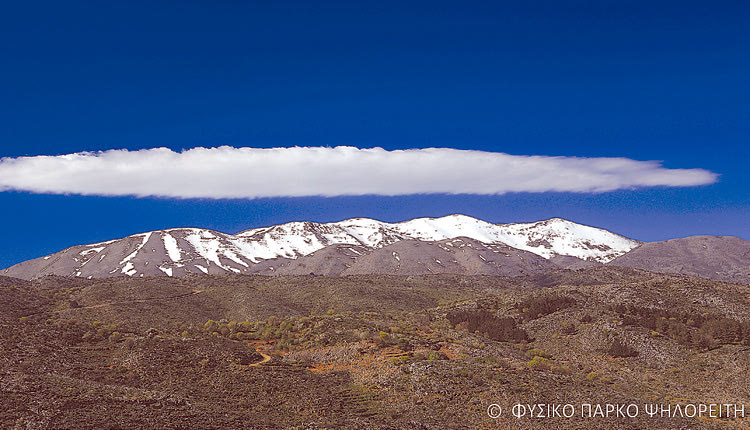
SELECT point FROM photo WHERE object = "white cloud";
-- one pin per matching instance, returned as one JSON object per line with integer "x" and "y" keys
{"x": 228, "y": 172}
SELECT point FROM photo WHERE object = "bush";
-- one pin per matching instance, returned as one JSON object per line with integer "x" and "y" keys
{"x": 434, "y": 356}
{"x": 399, "y": 360}
{"x": 562, "y": 370}
{"x": 503, "y": 364}
{"x": 536, "y": 353}
{"x": 384, "y": 339}
{"x": 620, "y": 349}
{"x": 404, "y": 345}
{"x": 492, "y": 361}
{"x": 539, "y": 363}
{"x": 211, "y": 326}
{"x": 478, "y": 379}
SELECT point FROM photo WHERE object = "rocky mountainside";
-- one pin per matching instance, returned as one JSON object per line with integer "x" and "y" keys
{"x": 414, "y": 257}
{"x": 722, "y": 258}
{"x": 180, "y": 251}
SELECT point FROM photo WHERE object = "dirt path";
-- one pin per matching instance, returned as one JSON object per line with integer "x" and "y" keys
{"x": 122, "y": 302}
{"x": 266, "y": 359}
{"x": 125, "y": 302}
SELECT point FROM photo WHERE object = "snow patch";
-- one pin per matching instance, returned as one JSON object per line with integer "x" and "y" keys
{"x": 89, "y": 251}
{"x": 173, "y": 250}
{"x": 129, "y": 269}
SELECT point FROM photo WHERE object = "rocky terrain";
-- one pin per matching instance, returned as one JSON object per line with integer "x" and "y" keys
{"x": 373, "y": 351}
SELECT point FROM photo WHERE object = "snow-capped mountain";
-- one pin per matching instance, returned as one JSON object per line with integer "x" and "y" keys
{"x": 179, "y": 251}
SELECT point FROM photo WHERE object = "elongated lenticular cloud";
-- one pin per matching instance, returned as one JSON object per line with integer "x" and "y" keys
{"x": 228, "y": 172}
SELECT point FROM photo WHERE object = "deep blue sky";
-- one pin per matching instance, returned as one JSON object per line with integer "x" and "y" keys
{"x": 644, "y": 80}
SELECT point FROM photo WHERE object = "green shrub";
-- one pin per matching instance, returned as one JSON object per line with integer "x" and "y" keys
{"x": 536, "y": 353}
{"x": 384, "y": 339}
{"x": 399, "y": 360}
{"x": 492, "y": 361}
{"x": 539, "y": 363}
{"x": 211, "y": 326}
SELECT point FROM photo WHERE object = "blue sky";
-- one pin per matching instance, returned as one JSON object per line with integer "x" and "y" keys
{"x": 663, "y": 81}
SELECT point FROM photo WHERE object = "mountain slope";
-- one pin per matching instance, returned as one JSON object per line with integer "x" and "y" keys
{"x": 177, "y": 252}
{"x": 459, "y": 256}
{"x": 721, "y": 258}
{"x": 412, "y": 257}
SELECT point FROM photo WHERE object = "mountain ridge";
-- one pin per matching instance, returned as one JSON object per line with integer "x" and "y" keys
{"x": 179, "y": 251}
